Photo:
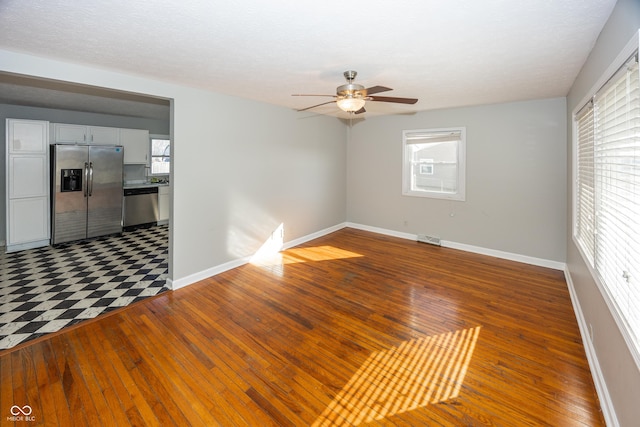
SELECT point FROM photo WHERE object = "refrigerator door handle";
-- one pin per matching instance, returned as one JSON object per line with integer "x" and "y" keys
{"x": 86, "y": 179}
{"x": 90, "y": 178}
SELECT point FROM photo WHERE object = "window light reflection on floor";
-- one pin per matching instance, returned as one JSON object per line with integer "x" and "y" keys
{"x": 400, "y": 379}
{"x": 269, "y": 255}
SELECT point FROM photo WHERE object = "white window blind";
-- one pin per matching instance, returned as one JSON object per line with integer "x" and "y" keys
{"x": 585, "y": 224}
{"x": 608, "y": 192}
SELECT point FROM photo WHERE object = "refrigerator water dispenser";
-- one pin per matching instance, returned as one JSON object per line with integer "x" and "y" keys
{"x": 71, "y": 180}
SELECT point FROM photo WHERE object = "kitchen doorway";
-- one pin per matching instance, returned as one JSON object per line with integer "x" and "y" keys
{"x": 39, "y": 293}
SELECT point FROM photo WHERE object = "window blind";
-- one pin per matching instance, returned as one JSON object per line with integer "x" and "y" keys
{"x": 617, "y": 191}
{"x": 607, "y": 211}
{"x": 421, "y": 138}
{"x": 585, "y": 223}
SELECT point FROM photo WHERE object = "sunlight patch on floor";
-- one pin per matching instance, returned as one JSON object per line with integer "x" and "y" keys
{"x": 400, "y": 379}
{"x": 275, "y": 261}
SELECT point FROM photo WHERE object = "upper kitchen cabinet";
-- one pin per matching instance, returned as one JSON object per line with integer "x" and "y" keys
{"x": 27, "y": 136}
{"x": 27, "y": 179}
{"x": 104, "y": 136}
{"x": 136, "y": 145}
{"x": 78, "y": 134}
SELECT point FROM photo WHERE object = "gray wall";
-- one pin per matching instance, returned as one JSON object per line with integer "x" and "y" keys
{"x": 618, "y": 368}
{"x": 515, "y": 192}
{"x": 62, "y": 116}
{"x": 240, "y": 168}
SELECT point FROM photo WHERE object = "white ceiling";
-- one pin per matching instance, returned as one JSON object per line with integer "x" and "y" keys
{"x": 447, "y": 53}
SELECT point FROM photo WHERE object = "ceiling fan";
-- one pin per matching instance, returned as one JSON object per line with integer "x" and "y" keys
{"x": 352, "y": 97}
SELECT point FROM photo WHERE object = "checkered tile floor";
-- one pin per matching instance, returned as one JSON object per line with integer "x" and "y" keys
{"x": 43, "y": 290}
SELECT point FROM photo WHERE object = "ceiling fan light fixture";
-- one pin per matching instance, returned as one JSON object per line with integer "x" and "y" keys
{"x": 351, "y": 97}
{"x": 350, "y": 104}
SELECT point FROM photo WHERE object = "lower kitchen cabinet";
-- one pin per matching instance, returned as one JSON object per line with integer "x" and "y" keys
{"x": 163, "y": 204}
{"x": 28, "y": 224}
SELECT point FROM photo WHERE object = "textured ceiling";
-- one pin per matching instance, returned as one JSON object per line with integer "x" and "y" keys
{"x": 447, "y": 53}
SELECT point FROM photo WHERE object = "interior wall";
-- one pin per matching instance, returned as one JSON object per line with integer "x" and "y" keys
{"x": 515, "y": 170}
{"x": 62, "y": 116}
{"x": 619, "y": 370}
{"x": 254, "y": 166}
{"x": 240, "y": 168}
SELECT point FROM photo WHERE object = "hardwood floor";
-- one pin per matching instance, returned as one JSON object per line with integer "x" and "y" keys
{"x": 353, "y": 328}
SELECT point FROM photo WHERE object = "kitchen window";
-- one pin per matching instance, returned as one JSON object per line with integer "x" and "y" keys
{"x": 434, "y": 163}
{"x": 160, "y": 155}
{"x": 606, "y": 211}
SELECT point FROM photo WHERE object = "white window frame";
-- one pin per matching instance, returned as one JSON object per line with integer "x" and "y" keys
{"x": 407, "y": 169}
{"x": 633, "y": 343}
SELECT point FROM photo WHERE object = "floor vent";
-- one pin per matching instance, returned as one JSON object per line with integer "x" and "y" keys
{"x": 429, "y": 239}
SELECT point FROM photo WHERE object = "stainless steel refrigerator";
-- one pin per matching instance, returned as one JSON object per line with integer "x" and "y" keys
{"x": 86, "y": 191}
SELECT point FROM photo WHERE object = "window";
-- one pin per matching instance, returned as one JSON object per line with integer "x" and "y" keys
{"x": 160, "y": 155}
{"x": 607, "y": 194}
{"x": 434, "y": 163}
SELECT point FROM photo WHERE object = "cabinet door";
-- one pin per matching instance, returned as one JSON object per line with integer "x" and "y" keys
{"x": 26, "y": 136}
{"x": 28, "y": 176}
{"x": 163, "y": 203}
{"x": 136, "y": 145}
{"x": 33, "y": 223}
{"x": 69, "y": 134}
{"x": 103, "y": 136}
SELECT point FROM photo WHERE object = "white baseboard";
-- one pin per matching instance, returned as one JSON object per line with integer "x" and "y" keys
{"x": 384, "y": 231}
{"x": 192, "y": 278}
{"x": 541, "y": 262}
{"x": 608, "y": 411}
{"x": 308, "y": 237}
{"x": 204, "y": 274}
{"x": 468, "y": 248}
{"x": 201, "y": 275}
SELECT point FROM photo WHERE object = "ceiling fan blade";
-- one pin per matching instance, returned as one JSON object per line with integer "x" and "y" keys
{"x": 393, "y": 99}
{"x": 377, "y": 89}
{"x": 317, "y": 105}
{"x": 307, "y": 94}
{"x": 360, "y": 111}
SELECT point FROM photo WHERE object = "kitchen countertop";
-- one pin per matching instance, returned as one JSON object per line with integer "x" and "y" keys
{"x": 145, "y": 185}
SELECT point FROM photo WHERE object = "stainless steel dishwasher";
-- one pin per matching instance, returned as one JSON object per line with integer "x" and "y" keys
{"x": 140, "y": 206}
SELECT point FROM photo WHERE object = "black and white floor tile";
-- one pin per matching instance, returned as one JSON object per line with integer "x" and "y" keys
{"x": 43, "y": 290}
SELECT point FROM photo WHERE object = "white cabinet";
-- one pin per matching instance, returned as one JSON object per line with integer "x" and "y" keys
{"x": 79, "y": 134}
{"x": 103, "y": 136}
{"x": 28, "y": 223}
{"x": 163, "y": 204}
{"x": 28, "y": 176}
{"x": 136, "y": 145}
{"x": 27, "y": 193}
{"x": 27, "y": 137}
{"x": 69, "y": 134}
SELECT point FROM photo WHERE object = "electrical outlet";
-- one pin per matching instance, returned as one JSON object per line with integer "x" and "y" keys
{"x": 591, "y": 332}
